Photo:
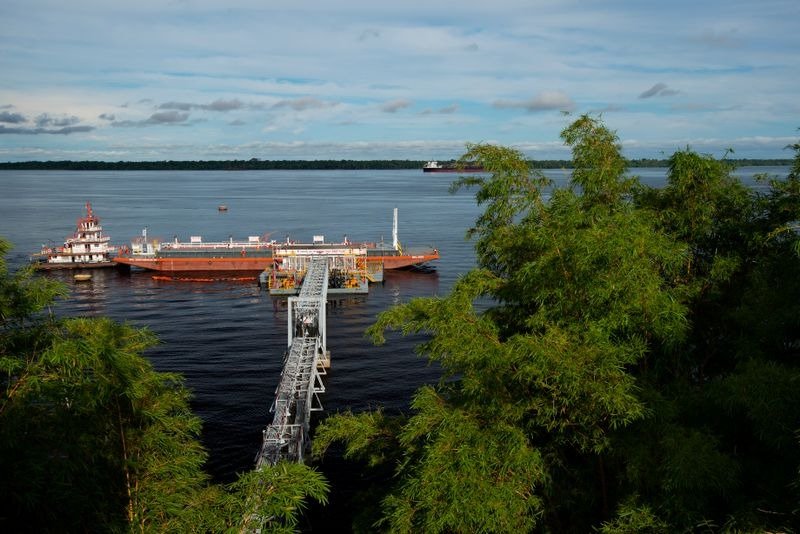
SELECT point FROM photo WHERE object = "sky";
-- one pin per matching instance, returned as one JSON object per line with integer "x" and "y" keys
{"x": 114, "y": 80}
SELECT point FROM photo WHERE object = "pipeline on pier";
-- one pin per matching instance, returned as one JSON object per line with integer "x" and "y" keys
{"x": 287, "y": 437}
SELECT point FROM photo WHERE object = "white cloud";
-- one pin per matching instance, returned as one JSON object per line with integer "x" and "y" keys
{"x": 304, "y": 103}
{"x": 447, "y": 110}
{"x": 161, "y": 118}
{"x": 45, "y": 120}
{"x": 396, "y": 105}
{"x": 725, "y": 39}
{"x": 659, "y": 89}
{"x": 545, "y": 101}
{"x": 11, "y": 117}
{"x": 369, "y": 33}
{"x": 219, "y": 104}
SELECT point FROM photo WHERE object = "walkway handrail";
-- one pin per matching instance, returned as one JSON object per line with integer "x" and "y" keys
{"x": 287, "y": 437}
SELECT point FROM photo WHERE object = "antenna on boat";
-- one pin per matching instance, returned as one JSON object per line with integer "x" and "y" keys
{"x": 394, "y": 231}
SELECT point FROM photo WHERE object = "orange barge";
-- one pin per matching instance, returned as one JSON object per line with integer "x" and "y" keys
{"x": 256, "y": 255}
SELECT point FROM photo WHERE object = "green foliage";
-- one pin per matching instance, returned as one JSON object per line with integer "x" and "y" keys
{"x": 462, "y": 473}
{"x": 511, "y": 190}
{"x": 370, "y": 441}
{"x": 89, "y": 427}
{"x": 272, "y": 497}
{"x": 598, "y": 161}
{"x": 634, "y": 349}
{"x": 693, "y": 471}
{"x": 23, "y": 294}
{"x": 697, "y": 189}
{"x": 369, "y": 436}
{"x": 634, "y": 519}
{"x": 782, "y": 209}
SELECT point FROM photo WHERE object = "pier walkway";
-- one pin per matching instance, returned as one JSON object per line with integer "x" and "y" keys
{"x": 305, "y": 362}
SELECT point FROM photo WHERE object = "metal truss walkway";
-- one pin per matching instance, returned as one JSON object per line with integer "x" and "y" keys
{"x": 287, "y": 437}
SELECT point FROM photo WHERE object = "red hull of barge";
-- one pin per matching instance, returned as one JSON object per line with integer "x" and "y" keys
{"x": 251, "y": 265}
{"x": 189, "y": 265}
{"x": 398, "y": 262}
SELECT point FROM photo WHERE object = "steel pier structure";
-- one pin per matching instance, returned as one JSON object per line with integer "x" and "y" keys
{"x": 287, "y": 437}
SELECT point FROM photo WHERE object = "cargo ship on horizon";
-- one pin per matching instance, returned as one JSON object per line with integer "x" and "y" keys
{"x": 435, "y": 166}
{"x": 255, "y": 255}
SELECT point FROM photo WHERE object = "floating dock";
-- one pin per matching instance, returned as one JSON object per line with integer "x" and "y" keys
{"x": 349, "y": 272}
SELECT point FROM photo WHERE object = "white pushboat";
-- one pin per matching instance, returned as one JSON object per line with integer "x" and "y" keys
{"x": 86, "y": 248}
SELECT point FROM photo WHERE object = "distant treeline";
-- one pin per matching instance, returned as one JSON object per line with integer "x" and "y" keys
{"x": 347, "y": 164}
{"x": 214, "y": 165}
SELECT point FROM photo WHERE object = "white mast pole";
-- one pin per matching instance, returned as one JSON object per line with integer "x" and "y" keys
{"x": 395, "y": 244}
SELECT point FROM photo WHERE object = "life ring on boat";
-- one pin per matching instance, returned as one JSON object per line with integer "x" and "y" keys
{"x": 243, "y": 253}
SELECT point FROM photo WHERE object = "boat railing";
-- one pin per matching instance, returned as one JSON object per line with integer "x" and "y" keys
{"x": 94, "y": 239}
{"x": 218, "y": 244}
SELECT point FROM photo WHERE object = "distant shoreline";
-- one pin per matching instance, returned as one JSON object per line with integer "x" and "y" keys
{"x": 257, "y": 164}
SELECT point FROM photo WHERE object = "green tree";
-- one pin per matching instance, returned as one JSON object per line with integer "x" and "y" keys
{"x": 616, "y": 361}
{"x": 731, "y": 407}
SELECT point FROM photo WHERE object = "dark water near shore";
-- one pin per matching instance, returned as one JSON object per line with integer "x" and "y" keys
{"x": 228, "y": 338}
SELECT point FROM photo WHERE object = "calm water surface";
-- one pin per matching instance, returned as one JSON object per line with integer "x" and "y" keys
{"x": 228, "y": 338}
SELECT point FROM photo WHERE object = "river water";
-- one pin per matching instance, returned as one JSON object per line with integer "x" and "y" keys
{"x": 228, "y": 338}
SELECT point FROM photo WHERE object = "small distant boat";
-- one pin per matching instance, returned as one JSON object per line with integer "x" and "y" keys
{"x": 86, "y": 248}
{"x": 83, "y": 277}
{"x": 435, "y": 166}
{"x": 222, "y": 207}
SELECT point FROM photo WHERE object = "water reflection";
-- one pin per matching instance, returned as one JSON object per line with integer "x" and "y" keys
{"x": 406, "y": 284}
